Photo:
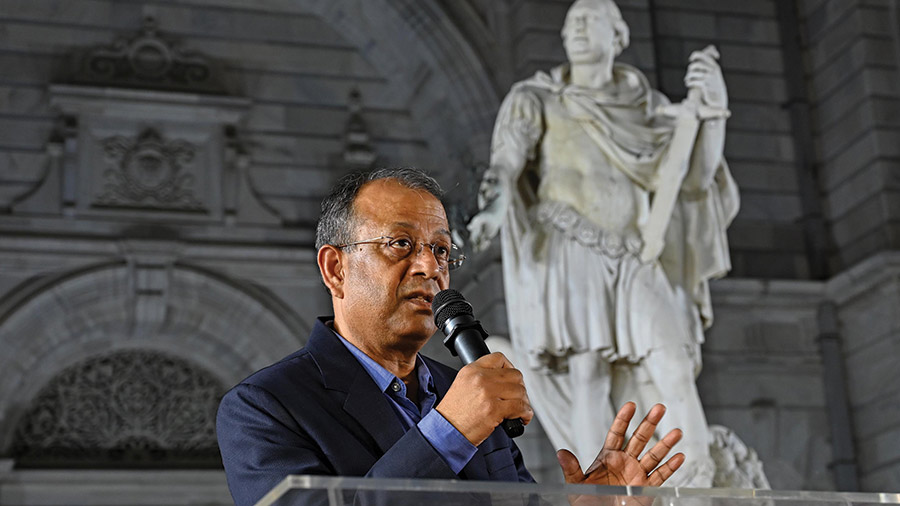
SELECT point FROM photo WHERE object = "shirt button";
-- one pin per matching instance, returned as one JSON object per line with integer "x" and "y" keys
{"x": 395, "y": 386}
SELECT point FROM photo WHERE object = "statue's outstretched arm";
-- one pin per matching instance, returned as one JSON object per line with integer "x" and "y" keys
{"x": 495, "y": 195}
{"x": 516, "y": 132}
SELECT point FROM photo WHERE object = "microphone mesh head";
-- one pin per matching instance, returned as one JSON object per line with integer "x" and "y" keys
{"x": 448, "y": 304}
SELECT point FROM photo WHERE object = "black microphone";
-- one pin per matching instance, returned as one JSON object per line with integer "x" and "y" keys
{"x": 465, "y": 337}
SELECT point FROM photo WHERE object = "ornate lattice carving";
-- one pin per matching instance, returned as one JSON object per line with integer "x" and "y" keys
{"x": 148, "y": 171}
{"x": 130, "y": 407}
{"x": 147, "y": 60}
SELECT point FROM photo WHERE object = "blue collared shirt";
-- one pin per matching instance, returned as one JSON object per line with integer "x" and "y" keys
{"x": 450, "y": 444}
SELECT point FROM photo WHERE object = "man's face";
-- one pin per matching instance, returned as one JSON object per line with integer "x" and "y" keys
{"x": 588, "y": 33}
{"x": 387, "y": 302}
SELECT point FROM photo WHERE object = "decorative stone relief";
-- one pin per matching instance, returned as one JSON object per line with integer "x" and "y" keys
{"x": 20, "y": 174}
{"x": 150, "y": 265}
{"x": 737, "y": 465}
{"x": 135, "y": 406}
{"x": 146, "y": 126}
{"x": 148, "y": 171}
{"x": 147, "y": 59}
{"x": 358, "y": 151}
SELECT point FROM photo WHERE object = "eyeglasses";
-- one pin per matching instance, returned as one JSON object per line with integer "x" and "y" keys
{"x": 448, "y": 256}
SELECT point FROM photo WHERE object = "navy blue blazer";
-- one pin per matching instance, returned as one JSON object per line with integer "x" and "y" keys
{"x": 317, "y": 411}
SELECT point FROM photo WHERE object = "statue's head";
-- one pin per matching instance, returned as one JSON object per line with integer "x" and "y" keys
{"x": 594, "y": 31}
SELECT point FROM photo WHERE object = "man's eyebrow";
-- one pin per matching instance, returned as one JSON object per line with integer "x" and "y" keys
{"x": 403, "y": 224}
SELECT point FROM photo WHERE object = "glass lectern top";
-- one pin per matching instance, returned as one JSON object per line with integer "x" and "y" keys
{"x": 341, "y": 491}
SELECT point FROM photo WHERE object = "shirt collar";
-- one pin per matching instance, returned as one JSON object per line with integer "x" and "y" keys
{"x": 382, "y": 377}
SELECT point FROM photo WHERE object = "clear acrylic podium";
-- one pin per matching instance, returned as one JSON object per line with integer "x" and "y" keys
{"x": 340, "y": 491}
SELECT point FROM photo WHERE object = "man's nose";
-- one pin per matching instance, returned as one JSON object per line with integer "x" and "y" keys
{"x": 426, "y": 261}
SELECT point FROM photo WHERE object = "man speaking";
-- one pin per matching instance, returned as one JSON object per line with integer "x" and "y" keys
{"x": 359, "y": 399}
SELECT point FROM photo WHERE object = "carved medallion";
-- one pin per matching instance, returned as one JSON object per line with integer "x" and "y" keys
{"x": 148, "y": 172}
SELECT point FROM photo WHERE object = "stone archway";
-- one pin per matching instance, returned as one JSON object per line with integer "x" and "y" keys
{"x": 213, "y": 323}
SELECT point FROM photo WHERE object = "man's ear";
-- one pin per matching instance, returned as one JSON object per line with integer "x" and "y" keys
{"x": 331, "y": 266}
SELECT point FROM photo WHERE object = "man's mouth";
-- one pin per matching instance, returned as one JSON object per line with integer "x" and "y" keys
{"x": 421, "y": 298}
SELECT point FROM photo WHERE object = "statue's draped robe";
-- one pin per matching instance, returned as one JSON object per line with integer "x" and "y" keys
{"x": 572, "y": 286}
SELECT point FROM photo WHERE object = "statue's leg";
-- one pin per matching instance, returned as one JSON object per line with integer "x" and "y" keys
{"x": 554, "y": 399}
{"x": 592, "y": 412}
{"x": 550, "y": 398}
{"x": 671, "y": 370}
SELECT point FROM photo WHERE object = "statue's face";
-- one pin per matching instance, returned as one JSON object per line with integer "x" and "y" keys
{"x": 589, "y": 35}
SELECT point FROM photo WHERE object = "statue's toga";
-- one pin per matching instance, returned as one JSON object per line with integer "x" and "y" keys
{"x": 579, "y": 158}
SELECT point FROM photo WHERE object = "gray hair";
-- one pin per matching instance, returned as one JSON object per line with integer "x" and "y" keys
{"x": 338, "y": 219}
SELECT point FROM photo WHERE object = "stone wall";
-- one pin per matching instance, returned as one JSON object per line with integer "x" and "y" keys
{"x": 762, "y": 377}
{"x": 867, "y": 296}
{"x": 852, "y": 67}
{"x": 430, "y": 76}
{"x": 297, "y": 63}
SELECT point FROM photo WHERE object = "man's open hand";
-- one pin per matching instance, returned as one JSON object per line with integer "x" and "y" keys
{"x": 623, "y": 465}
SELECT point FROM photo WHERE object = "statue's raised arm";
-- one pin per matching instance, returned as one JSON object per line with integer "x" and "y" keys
{"x": 676, "y": 171}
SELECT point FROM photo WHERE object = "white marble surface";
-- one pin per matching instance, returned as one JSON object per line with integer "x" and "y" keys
{"x": 607, "y": 302}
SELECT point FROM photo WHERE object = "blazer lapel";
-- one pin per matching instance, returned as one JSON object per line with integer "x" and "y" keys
{"x": 367, "y": 405}
{"x": 363, "y": 402}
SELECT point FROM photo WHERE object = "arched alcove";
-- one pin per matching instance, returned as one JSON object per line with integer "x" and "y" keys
{"x": 217, "y": 324}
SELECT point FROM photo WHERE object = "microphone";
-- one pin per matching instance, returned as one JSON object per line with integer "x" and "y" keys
{"x": 465, "y": 337}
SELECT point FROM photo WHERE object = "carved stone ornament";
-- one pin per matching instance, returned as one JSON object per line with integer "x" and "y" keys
{"x": 358, "y": 151}
{"x": 146, "y": 60}
{"x": 132, "y": 407}
{"x": 148, "y": 171}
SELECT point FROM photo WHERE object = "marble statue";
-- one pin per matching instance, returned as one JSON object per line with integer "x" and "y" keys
{"x": 613, "y": 205}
